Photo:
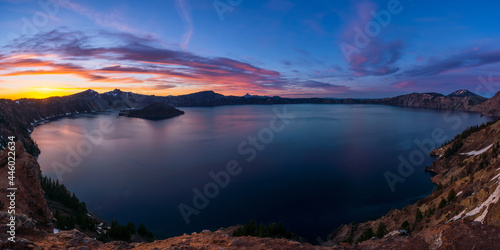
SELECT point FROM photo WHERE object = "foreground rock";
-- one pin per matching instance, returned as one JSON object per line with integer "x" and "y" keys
{"x": 73, "y": 239}
{"x": 154, "y": 111}
{"x": 455, "y": 235}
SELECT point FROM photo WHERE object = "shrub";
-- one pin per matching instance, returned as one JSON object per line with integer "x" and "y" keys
{"x": 442, "y": 203}
{"x": 366, "y": 235}
{"x": 272, "y": 230}
{"x": 452, "y": 195}
{"x": 405, "y": 226}
{"x": 381, "y": 230}
{"x": 418, "y": 215}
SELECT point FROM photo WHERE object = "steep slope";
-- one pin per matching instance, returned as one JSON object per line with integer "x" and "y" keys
{"x": 456, "y": 235}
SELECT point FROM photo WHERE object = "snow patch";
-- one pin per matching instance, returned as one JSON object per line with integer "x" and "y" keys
{"x": 471, "y": 153}
{"x": 459, "y": 193}
{"x": 493, "y": 198}
{"x": 459, "y": 216}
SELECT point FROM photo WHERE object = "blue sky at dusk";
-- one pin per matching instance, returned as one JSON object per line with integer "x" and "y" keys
{"x": 281, "y": 47}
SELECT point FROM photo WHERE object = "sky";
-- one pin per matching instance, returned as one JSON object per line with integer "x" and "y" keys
{"x": 290, "y": 48}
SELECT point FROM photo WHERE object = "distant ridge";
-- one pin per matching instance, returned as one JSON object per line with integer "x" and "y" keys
{"x": 258, "y": 96}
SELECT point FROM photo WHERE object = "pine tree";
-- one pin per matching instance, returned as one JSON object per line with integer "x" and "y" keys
{"x": 366, "y": 235}
{"x": 405, "y": 226}
{"x": 452, "y": 195}
{"x": 141, "y": 230}
{"x": 131, "y": 227}
{"x": 381, "y": 230}
{"x": 442, "y": 203}
{"x": 418, "y": 215}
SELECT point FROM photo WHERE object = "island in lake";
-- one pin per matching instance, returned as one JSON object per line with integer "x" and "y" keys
{"x": 154, "y": 111}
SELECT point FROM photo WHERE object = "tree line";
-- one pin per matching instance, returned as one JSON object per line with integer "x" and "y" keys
{"x": 79, "y": 216}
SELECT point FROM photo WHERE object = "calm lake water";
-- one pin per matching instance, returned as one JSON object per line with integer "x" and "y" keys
{"x": 325, "y": 167}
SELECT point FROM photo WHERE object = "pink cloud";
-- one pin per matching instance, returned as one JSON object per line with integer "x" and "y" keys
{"x": 404, "y": 85}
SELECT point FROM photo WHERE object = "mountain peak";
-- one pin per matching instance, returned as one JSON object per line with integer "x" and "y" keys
{"x": 117, "y": 92}
{"x": 258, "y": 96}
{"x": 88, "y": 92}
{"x": 462, "y": 93}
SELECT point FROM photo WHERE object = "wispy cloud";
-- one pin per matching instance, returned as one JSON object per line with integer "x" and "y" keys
{"x": 184, "y": 14}
{"x": 379, "y": 57}
{"x": 459, "y": 62}
{"x": 115, "y": 19}
{"x": 404, "y": 85}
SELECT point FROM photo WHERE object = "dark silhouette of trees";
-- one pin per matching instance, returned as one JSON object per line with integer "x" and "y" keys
{"x": 418, "y": 215}
{"x": 272, "y": 230}
{"x": 366, "y": 235}
{"x": 381, "y": 230}
{"x": 442, "y": 203}
{"x": 405, "y": 226}
{"x": 452, "y": 195}
{"x": 142, "y": 231}
{"x": 78, "y": 215}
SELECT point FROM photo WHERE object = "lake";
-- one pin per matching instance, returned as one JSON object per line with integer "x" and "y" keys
{"x": 311, "y": 167}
